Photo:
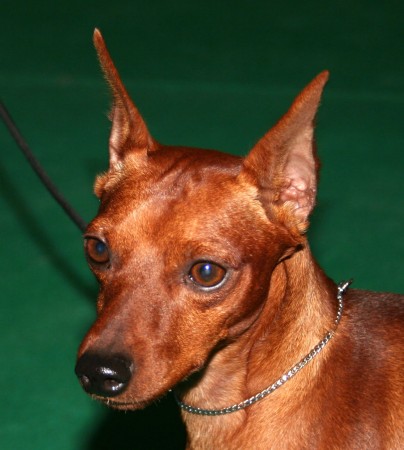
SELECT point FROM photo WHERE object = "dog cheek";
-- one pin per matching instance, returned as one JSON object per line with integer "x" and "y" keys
{"x": 251, "y": 295}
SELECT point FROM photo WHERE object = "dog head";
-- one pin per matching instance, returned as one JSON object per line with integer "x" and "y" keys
{"x": 185, "y": 243}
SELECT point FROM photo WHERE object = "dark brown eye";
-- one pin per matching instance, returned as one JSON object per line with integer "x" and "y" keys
{"x": 207, "y": 274}
{"x": 96, "y": 251}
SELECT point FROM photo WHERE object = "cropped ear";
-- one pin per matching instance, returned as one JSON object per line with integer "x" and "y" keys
{"x": 284, "y": 163}
{"x": 129, "y": 132}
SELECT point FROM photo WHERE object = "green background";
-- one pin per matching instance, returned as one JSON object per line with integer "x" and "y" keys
{"x": 206, "y": 73}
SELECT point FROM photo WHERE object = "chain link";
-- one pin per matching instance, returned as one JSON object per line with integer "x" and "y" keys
{"x": 342, "y": 287}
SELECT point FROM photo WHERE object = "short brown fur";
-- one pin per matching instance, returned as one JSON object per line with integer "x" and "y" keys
{"x": 164, "y": 209}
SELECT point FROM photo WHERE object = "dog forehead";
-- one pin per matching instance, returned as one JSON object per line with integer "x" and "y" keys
{"x": 165, "y": 175}
{"x": 211, "y": 215}
{"x": 180, "y": 190}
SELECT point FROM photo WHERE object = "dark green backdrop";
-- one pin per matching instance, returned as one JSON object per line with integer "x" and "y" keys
{"x": 207, "y": 73}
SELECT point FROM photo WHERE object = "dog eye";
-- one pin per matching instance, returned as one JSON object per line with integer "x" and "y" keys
{"x": 96, "y": 250}
{"x": 207, "y": 274}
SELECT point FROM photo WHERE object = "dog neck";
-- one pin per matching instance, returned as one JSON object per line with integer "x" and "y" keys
{"x": 301, "y": 306}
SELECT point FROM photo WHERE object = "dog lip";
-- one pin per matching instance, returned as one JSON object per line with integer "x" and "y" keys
{"x": 127, "y": 405}
{"x": 120, "y": 404}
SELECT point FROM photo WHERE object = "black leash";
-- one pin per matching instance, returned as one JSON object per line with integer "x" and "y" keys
{"x": 38, "y": 169}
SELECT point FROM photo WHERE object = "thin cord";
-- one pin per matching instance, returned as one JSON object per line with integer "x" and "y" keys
{"x": 38, "y": 169}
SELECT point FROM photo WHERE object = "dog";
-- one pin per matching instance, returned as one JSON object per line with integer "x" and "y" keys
{"x": 208, "y": 289}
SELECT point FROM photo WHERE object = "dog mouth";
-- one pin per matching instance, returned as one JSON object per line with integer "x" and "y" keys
{"x": 130, "y": 396}
{"x": 132, "y": 404}
{"x": 129, "y": 403}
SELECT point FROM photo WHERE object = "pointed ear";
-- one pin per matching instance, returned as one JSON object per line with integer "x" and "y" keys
{"x": 284, "y": 163}
{"x": 129, "y": 132}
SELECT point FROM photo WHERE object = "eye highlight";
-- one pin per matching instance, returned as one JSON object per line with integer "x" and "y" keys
{"x": 207, "y": 274}
{"x": 96, "y": 250}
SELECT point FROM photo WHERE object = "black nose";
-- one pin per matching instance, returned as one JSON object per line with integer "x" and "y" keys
{"x": 102, "y": 375}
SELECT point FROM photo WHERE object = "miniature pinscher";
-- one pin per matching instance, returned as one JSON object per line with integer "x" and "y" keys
{"x": 208, "y": 289}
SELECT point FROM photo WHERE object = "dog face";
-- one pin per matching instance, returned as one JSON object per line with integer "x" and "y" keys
{"x": 181, "y": 269}
{"x": 184, "y": 245}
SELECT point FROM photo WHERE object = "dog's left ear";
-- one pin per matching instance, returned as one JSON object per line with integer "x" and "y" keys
{"x": 129, "y": 132}
{"x": 284, "y": 164}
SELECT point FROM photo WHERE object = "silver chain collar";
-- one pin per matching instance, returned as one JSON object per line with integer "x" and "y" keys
{"x": 342, "y": 287}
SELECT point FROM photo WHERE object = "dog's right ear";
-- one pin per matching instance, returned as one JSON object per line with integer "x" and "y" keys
{"x": 129, "y": 132}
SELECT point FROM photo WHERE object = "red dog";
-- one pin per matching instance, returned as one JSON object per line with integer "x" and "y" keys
{"x": 208, "y": 288}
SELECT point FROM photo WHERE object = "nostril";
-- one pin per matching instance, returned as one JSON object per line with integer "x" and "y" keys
{"x": 84, "y": 381}
{"x": 103, "y": 375}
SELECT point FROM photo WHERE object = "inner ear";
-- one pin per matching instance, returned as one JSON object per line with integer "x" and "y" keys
{"x": 298, "y": 184}
{"x": 283, "y": 164}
